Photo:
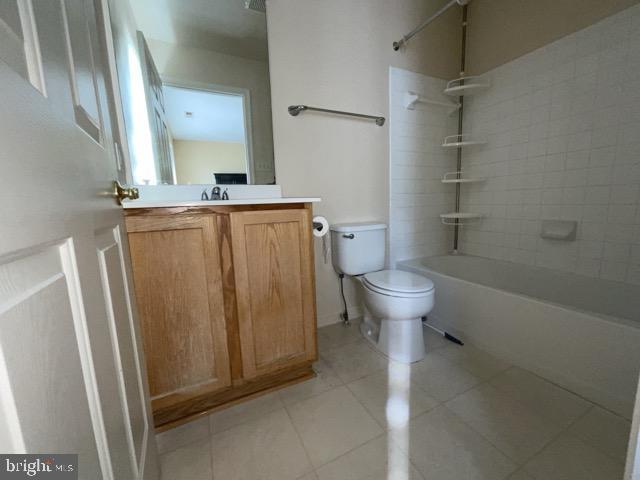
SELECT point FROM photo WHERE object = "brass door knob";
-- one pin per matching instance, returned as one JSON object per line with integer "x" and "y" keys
{"x": 121, "y": 192}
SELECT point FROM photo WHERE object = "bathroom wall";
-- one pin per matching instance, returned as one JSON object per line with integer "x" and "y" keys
{"x": 418, "y": 162}
{"x": 196, "y": 160}
{"x": 563, "y": 131}
{"x": 337, "y": 54}
{"x": 189, "y": 65}
{"x": 502, "y": 30}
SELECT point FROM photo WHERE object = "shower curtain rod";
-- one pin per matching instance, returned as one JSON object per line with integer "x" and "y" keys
{"x": 418, "y": 29}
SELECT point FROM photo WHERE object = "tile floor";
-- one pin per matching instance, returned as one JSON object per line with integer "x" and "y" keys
{"x": 471, "y": 417}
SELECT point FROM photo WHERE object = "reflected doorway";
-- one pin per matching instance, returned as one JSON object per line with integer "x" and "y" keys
{"x": 209, "y": 134}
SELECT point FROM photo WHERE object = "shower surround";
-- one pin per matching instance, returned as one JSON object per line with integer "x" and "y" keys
{"x": 418, "y": 162}
{"x": 562, "y": 131}
{"x": 562, "y": 125}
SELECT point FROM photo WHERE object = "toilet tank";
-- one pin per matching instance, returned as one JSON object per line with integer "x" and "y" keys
{"x": 358, "y": 248}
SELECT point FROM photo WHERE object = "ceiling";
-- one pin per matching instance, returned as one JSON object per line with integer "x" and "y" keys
{"x": 224, "y": 26}
{"x": 215, "y": 117}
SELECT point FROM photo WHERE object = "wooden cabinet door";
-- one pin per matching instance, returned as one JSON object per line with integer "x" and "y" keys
{"x": 178, "y": 283}
{"x": 273, "y": 262}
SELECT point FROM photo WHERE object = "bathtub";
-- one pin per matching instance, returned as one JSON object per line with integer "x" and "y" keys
{"x": 579, "y": 332}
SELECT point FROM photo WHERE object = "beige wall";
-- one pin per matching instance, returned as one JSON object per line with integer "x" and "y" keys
{"x": 196, "y": 161}
{"x": 501, "y": 30}
{"x": 336, "y": 54}
{"x": 188, "y": 65}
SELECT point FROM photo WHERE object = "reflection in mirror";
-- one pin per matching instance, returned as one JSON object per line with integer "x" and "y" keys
{"x": 194, "y": 79}
{"x": 208, "y": 135}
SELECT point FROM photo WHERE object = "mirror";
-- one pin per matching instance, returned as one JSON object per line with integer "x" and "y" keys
{"x": 194, "y": 79}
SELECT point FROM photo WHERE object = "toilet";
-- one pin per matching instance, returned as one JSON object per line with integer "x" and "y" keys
{"x": 395, "y": 301}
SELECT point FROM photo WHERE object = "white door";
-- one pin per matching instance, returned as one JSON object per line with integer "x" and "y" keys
{"x": 165, "y": 166}
{"x": 71, "y": 377}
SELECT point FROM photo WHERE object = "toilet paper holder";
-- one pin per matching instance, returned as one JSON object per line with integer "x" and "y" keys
{"x": 320, "y": 226}
{"x": 320, "y": 230}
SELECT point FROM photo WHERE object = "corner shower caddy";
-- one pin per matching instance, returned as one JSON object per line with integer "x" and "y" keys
{"x": 466, "y": 86}
{"x": 461, "y": 87}
{"x": 460, "y": 218}
{"x": 456, "y": 177}
{"x": 462, "y": 140}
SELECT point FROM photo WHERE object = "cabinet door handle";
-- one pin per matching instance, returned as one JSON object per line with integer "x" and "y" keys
{"x": 350, "y": 236}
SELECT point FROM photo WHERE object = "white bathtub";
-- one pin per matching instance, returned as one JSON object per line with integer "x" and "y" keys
{"x": 579, "y": 332}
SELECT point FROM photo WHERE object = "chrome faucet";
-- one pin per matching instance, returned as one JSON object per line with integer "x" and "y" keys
{"x": 215, "y": 194}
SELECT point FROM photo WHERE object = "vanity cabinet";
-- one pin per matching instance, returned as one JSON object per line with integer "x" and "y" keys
{"x": 226, "y": 300}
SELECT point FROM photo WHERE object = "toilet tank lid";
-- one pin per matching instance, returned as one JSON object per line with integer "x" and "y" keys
{"x": 357, "y": 227}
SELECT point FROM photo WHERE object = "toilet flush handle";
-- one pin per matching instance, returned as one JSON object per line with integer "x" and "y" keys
{"x": 350, "y": 236}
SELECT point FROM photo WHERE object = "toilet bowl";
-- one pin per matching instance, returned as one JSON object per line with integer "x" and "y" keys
{"x": 395, "y": 302}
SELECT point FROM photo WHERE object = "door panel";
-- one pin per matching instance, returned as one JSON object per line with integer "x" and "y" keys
{"x": 121, "y": 325}
{"x": 79, "y": 18}
{"x": 19, "y": 45}
{"x": 41, "y": 319}
{"x": 178, "y": 284}
{"x": 272, "y": 259}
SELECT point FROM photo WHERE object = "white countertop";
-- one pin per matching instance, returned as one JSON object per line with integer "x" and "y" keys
{"x": 212, "y": 203}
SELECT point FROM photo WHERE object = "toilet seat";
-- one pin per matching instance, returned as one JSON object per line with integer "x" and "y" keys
{"x": 398, "y": 283}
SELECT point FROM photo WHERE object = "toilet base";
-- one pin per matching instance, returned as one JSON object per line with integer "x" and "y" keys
{"x": 400, "y": 340}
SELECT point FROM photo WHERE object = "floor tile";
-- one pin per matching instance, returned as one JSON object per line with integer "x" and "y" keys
{"x": 371, "y": 462}
{"x": 568, "y": 458}
{"x": 354, "y": 361}
{"x": 442, "y": 379}
{"x": 309, "y": 476}
{"x": 509, "y": 428}
{"x": 331, "y": 424}
{"x": 520, "y": 475}
{"x": 325, "y": 379}
{"x": 374, "y": 392}
{"x": 509, "y": 425}
{"x": 604, "y": 431}
{"x": 475, "y": 361}
{"x": 183, "y": 435}
{"x": 548, "y": 400}
{"x": 265, "y": 449}
{"x": 443, "y": 447}
{"x": 244, "y": 412}
{"x": 192, "y": 461}
{"x": 339, "y": 334}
